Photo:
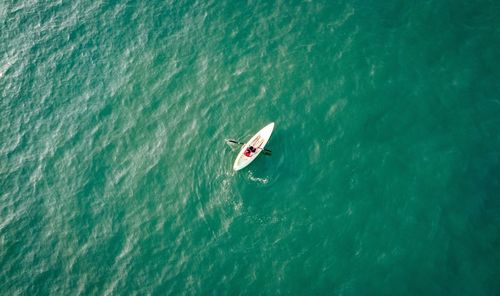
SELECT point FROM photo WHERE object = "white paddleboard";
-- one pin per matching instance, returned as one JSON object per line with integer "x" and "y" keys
{"x": 258, "y": 141}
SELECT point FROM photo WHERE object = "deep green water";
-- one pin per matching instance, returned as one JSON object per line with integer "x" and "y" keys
{"x": 115, "y": 178}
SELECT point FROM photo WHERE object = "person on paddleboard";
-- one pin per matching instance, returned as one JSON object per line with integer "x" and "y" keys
{"x": 249, "y": 151}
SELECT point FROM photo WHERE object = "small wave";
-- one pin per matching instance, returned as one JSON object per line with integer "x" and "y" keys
{"x": 257, "y": 179}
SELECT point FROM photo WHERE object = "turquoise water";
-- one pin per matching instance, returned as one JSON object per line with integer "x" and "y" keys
{"x": 115, "y": 177}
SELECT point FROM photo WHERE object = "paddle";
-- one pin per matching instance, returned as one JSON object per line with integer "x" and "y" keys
{"x": 266, "y": 151}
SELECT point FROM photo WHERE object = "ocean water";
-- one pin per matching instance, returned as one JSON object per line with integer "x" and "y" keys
{"x": 384, "y": 177}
